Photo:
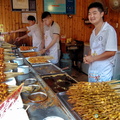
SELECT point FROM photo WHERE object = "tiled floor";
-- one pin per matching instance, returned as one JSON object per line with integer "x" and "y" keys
{"x": 78, "y": 75}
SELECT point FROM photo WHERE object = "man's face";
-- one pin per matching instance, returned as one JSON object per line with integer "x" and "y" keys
{"x": 47, "y": 21}
{"x": 30, "y": 22}
{"x": 95, "y": 16}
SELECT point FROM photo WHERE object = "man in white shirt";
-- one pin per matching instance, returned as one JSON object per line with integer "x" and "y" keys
{"x": 34, "y": 32}
{"x": 103, "y": 45}
{"x": 51, "y": 37}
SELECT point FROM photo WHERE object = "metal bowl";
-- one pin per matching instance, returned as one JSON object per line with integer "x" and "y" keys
{"x": 37, "y": 97}
{"x": 30, "y": 81}
{"x": 19, "y": 61}
{"x": 24, "y": 69}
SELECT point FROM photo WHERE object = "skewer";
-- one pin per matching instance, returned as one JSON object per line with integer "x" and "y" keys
{"x": 7, "y": 66}
{"x": 5, "y": 46}
{"x": 13, "y": 74}
{"x": 102, "y": 99}
{"x": 8, "y": 44}
{"x": 115, "y": 86}
{"x": 7, "y": 50}
{"x": 113, "y": 81}
{"x": 25, "y": 88}
{"x": 6, "y": 57}
{"x": 10, "y": 66}
{"x": 6, "y": 53}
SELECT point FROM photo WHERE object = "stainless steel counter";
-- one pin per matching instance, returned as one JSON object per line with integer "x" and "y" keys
{"x": 51, "y": 106}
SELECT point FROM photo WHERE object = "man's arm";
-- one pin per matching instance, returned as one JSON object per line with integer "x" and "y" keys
{"x": 22, "y": 37}
{"x": 55, "y": 38}
{"x": 19, "y": 30}
{"x": 107, "y": 54}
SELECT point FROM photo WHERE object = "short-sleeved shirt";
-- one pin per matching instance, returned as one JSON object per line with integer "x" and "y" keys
{"x": 35, "y": 32}
{"x": 106, "y": 37}
{"x": 105, "y": 40}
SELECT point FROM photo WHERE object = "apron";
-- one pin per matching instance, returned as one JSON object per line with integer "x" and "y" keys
{"x": 38, "y": 45}
{"x": 36, "y": 41}
{"x": 54, "y": 50}
{"x": 99, "y": 70}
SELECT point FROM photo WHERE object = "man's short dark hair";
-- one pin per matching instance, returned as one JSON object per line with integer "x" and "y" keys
{"x": 45, "y": 14}
{"x": 96, "y": 5}
{"x": 32, "y": 18}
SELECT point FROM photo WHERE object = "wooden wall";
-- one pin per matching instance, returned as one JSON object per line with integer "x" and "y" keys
{"x": 71, "y": 27}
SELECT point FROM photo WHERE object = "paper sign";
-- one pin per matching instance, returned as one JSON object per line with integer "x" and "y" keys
{"x": 9, "y": 101}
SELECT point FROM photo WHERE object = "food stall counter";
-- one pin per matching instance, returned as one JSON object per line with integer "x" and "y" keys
{"x": 48, "y": 108}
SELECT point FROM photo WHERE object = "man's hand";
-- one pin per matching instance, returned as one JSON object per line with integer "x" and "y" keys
{"x": 18, "y": 39}
{"x": 12, "y": 32}
{"x": 88, "y": 59}
{"x": 84, "y": 60}
{"x": 43, "y": 51}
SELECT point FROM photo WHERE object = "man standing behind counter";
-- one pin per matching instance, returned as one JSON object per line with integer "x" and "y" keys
{"x": 51, "y": 37}
{"x": 103, "y": 45}
{"x": 34, "y": 31}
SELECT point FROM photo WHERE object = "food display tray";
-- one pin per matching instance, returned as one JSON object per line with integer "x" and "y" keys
{"x": 59, "y": 82}
{"x": 64, "y": 98}
{"x": 47, "y": 69}
{"x": 27, "y": 58}
{"x": 32, "y": 50}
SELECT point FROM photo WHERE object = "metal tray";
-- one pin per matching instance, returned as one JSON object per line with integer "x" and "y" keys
{"x": 27, "y": 58}
{"x": 63, "y": 98}
{"x": 47, "y": 69}
{"x": 53, "y": 82}
{"x": 32, "y": 50}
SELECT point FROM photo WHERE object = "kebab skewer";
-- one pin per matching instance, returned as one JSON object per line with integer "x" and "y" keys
{"x": 7, "y": 45}
{"x": 2, "y": 50}
{"x": 6, "y": 57}
{"x": 96, "y": 100}
{"x": 6, "y": 75}
{"x": 7, "y": 66}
